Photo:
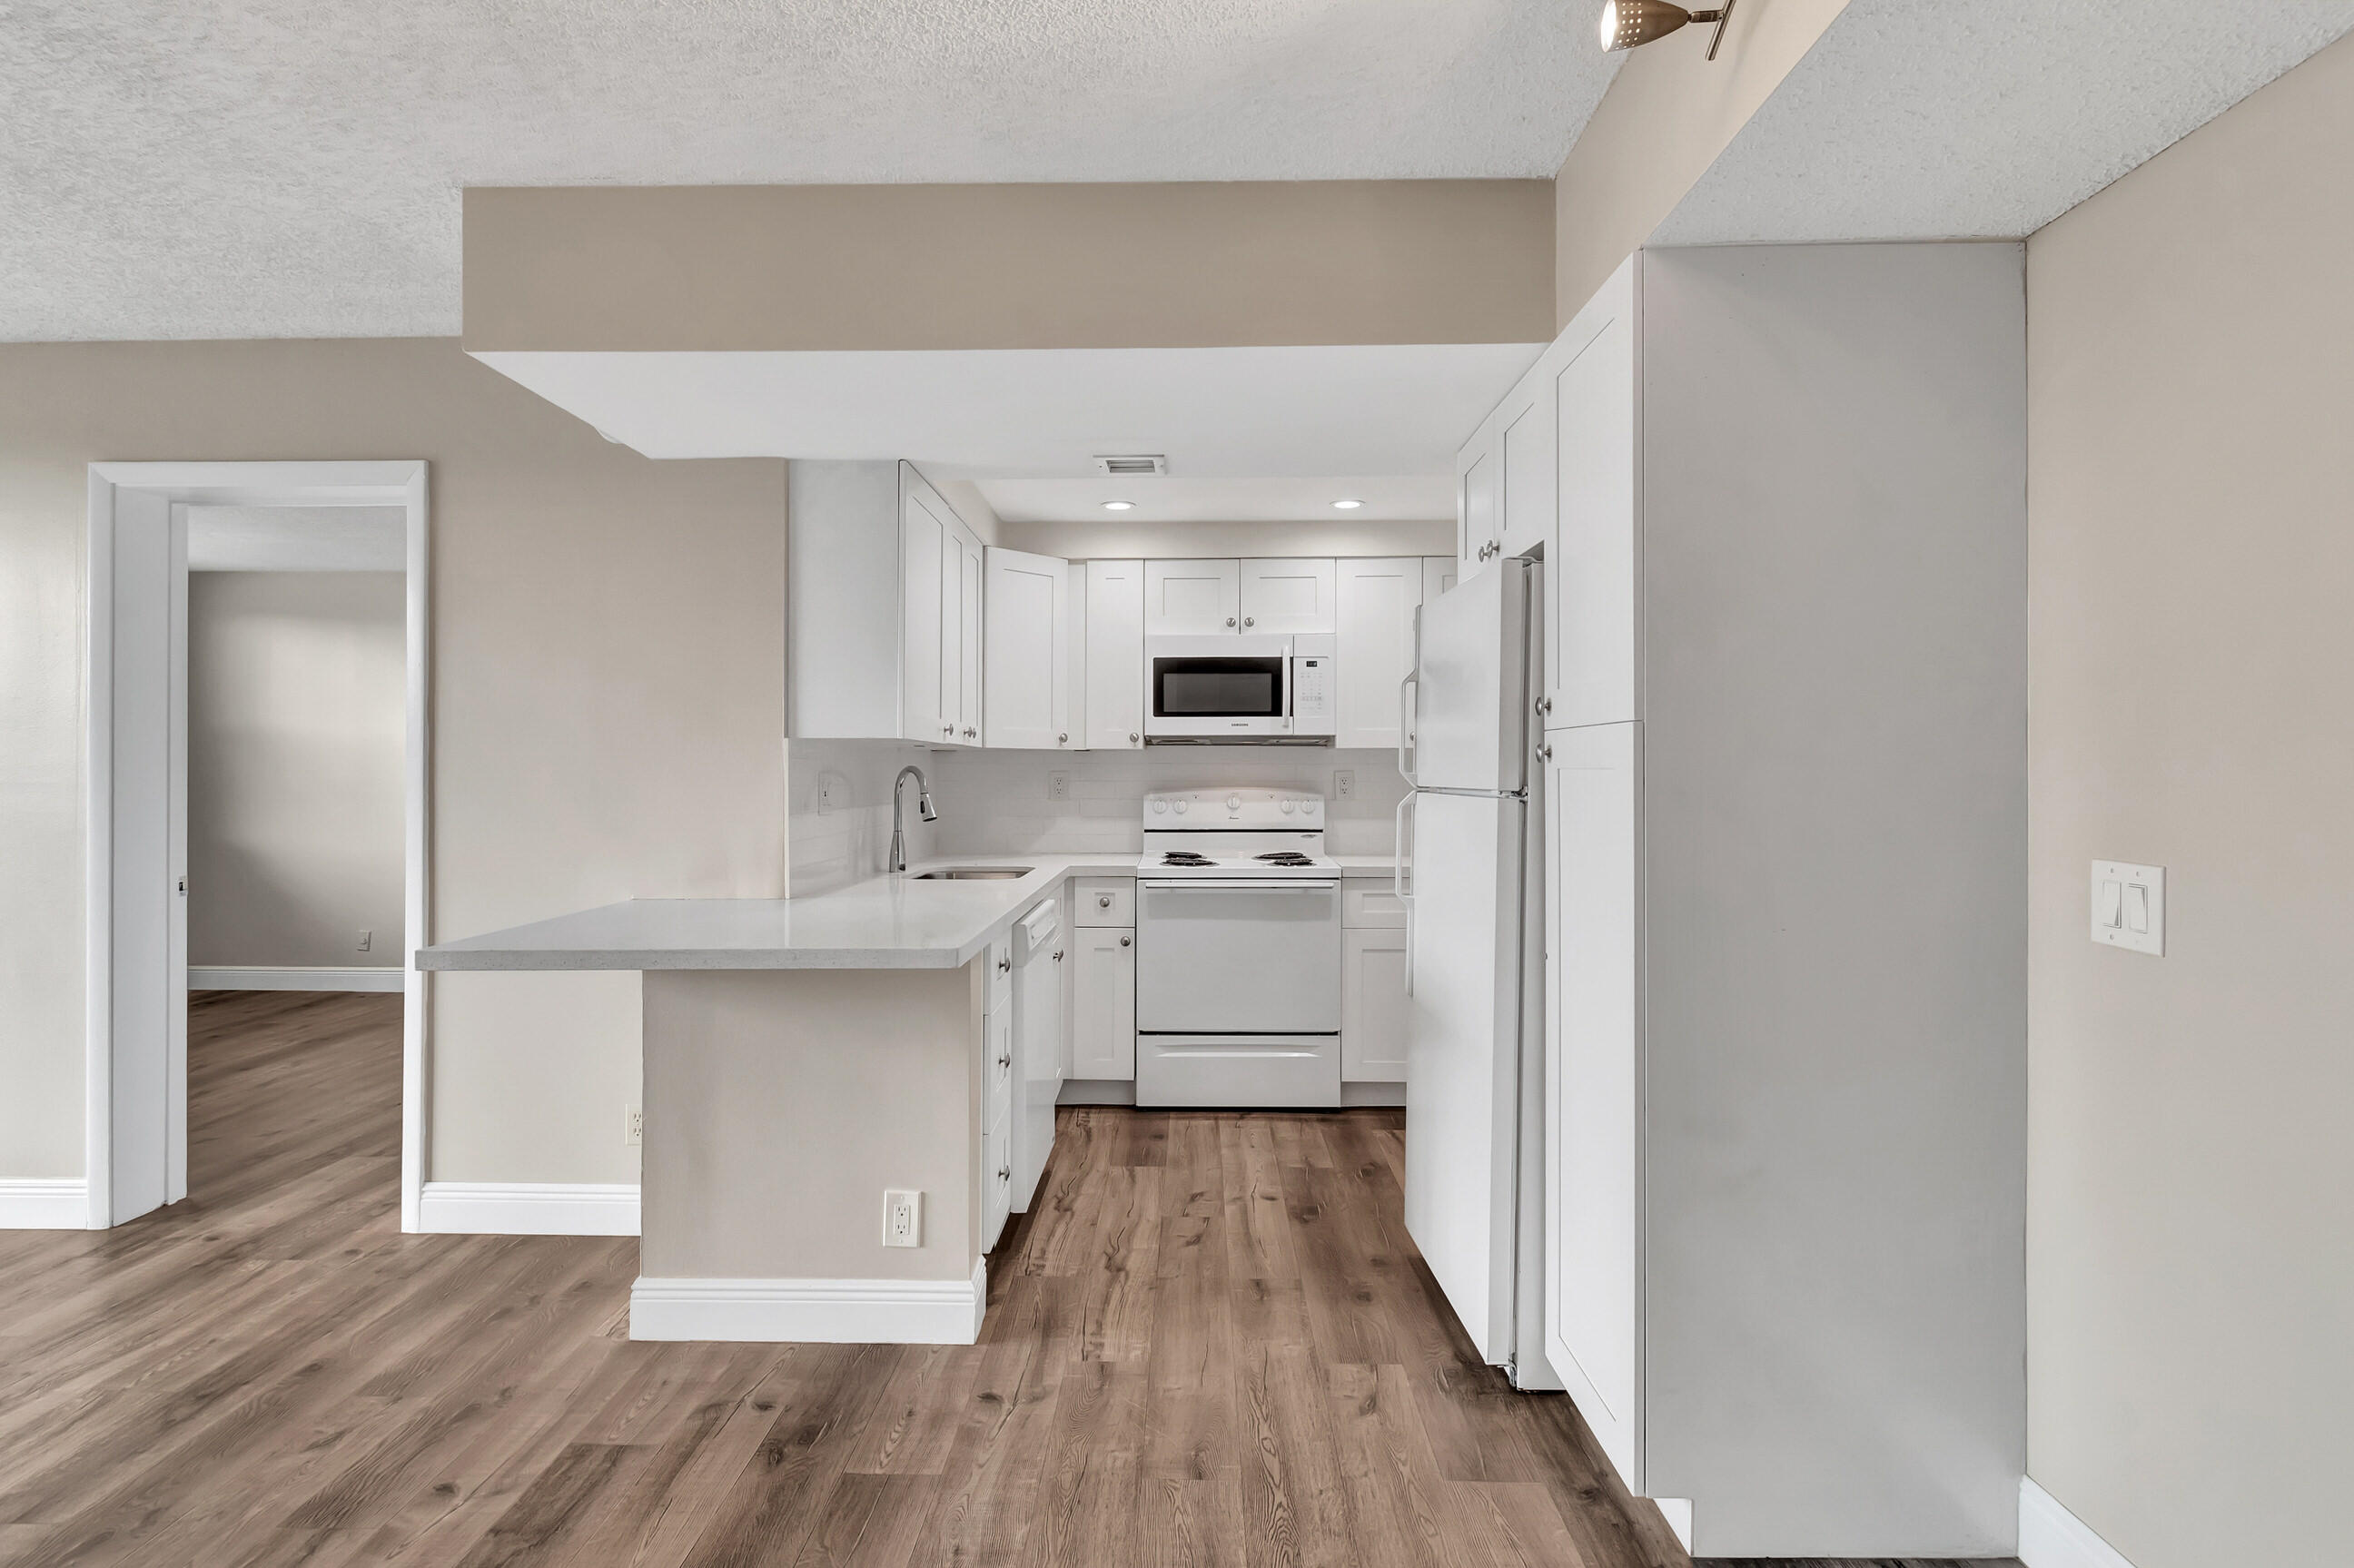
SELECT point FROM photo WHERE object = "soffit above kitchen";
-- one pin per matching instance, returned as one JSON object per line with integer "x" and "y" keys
{"x": 257, "y": 168}
{"x": 1308, "y": 329}
{"x": 1928, "y": 120}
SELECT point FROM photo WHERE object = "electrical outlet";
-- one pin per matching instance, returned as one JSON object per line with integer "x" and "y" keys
{"x": 903, "y": 1218}
{"x": 368, "y": 941}
{"x": 633, "y": 1126}
{"x": 1058, "y": 786}
{"x": 1344, "y": 784}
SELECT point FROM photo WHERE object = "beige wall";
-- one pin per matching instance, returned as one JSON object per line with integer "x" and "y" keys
{"x": 1668, "y": 112}
{"x": 989, "y": 266}
{"x": 2192, "y": 662}
{"x": 608, "y": 689}
{"x": 297, "y": 728}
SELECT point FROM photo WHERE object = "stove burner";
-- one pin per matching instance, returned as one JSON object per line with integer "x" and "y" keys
{"x": 1185, "y": 857}
{"x": 1285, "y": 857}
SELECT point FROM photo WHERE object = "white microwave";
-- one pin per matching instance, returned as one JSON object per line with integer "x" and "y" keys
{"x": 1251, "y": 689}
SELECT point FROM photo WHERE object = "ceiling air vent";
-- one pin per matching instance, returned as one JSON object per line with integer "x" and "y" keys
{"x": 1130, "y": 467}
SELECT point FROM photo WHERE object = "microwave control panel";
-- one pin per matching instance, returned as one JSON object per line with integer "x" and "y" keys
{"x": 1311, "y": 688}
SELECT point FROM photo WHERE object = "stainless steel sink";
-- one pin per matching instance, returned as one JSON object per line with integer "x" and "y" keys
{"x": 972, "y": 874}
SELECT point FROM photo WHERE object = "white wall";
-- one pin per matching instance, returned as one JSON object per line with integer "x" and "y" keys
{"x": 297, "y": 720}
{"x": 839, "y": 831}
{"x": 2191, "y": 1280}
{"x": 996, "y": 802}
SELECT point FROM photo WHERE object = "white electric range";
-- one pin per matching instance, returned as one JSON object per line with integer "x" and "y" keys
{"x": 1238, "y": 951}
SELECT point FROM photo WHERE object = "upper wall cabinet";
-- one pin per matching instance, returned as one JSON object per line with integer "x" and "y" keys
{"x": 1288, "y": 596}
{"x": 1439, "y": 575}
{"x": 1478, "y": 491}
{"x": 1593, "y": 576}
{"x": 1191, "y": 598}
{"x": 1505, "y": 484}
{"x": 1028, "y": 700}
{"x": 1115, "y": 655}
{"x": 1373, "y": 650}
{"x": 883, "y": 588}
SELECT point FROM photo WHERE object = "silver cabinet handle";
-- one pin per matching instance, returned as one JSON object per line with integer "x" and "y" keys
{"x": 1006, "y": 1061}
{"x": 1058, "y": 955}
{"x": 1063, "y": 738}
{"x": 1103, "y": 900}
{"x": 1544, "y": 705}
{"x": 1133, "y": 738}
{"x": 1544, "y": 754}
{"x": 1123, "y": 941}
{"x": 1005, "y": 966}
{"x": 1250, "y": 620}
{"x": 1003, "y": 1174}
{"x": 1230, "y": 620}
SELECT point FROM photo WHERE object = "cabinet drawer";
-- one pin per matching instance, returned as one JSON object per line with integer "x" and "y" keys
{"x": 997, "y": 1067}
{"x": 1103, "y": 901}
{"x": 1375, "y": 906}
{"x": 997, "y": 974}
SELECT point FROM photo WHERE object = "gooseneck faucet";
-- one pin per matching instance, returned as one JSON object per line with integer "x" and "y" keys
{"x": 923, "y": 809}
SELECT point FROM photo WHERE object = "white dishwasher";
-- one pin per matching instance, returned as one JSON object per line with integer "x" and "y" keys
{"x": 1038, "y": 951}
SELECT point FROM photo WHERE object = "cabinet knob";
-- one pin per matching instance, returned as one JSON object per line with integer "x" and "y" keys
{"x": 1003, "y": 1174}
{"x": 1545, "y": 705}
{"x": 1544, "y": 753}
{"x": 1133, "y": 738}
{"x": 1103, "y": 900}
{"x": 1230, "y": 620}
{"x": 1063, "y": 738}
{"x": 1005, "y": 966}
{"x": 1250, "y": 620}
{"x": 948, "y": 729}
{"x": 1123, "y": 941}
{"x": 1058, "y": 955}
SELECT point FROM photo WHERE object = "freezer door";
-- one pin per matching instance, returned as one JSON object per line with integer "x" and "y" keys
{"x": 1470, "y": 690}
{"x": 1463, "y": 1028}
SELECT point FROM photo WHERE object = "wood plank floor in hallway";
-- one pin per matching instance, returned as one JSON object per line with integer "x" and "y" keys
{"x": 1210, "y": 1343}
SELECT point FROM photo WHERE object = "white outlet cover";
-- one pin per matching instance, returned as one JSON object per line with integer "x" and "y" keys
{"x": 1058, "y": 786}
{"x": 1344, "y": 784}
{"x": 2128, "y": 907}
{"x": 903, "y": 1218}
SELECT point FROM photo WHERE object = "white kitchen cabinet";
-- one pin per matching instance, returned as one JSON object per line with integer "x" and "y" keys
{"x": 997, "y": 1142}
{"x": 1286, "y": 596}
{"x": 1593, "y": 1052}
{"x": 1785, "y": 1131}
{"x": 1593, "y": 575}
{"x": 1374, "y": 651}
{"x": 1028, "y": 652}
{"x": 1115, "y": 663}
{"x": 1184, "y": 598}
{"x": 1373, "y": 1004}
{"x": 1439, "y": 575}
{"x": 1479, "y": 495}
{"x": 883, "y": 584}
{"x": 1103, "y": 1003}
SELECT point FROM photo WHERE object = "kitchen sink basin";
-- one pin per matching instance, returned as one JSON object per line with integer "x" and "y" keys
{"x": 972, "y": 874}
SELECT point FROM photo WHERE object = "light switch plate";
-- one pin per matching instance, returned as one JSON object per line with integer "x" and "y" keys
{"x": 2128, "y": 907}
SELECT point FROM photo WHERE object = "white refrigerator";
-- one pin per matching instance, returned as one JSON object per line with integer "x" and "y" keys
{"x": 1475, "y": 900}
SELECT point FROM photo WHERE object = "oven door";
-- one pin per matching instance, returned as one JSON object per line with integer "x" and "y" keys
{"x": 1216, "y": 956}
{"x": 1234, "y": 686}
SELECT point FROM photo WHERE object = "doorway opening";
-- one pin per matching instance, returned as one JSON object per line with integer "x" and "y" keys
{"x": 149, "y": 524}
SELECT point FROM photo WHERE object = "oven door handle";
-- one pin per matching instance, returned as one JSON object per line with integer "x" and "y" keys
{"x": 1248, "y": 883}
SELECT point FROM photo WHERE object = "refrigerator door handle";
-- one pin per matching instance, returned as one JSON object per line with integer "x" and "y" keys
{"x": 1412, "y": 681}
{"x": 1397, "y": 880}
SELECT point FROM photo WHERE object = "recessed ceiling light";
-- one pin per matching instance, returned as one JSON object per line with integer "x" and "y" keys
{"x": 1346, "y": 505}
{"x": 1118, "y": 506}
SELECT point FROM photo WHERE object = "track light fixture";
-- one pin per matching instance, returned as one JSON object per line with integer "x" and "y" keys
{"x": 1631, "y": 24}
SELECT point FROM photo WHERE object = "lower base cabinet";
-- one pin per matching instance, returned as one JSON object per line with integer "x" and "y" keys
{"x": 997, "y": 1113}
{"x": 1372, "y": 988}
{"x": 1103, "y": 1003}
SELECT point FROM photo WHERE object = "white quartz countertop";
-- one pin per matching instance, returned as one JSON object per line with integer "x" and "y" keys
{"x": 882, "y": 923}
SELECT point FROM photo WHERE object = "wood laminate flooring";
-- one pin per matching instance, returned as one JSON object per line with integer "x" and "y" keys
{"x": 1209, "y": 1342}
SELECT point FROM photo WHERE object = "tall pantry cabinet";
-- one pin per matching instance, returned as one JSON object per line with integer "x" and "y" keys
{"x": 1784, "y": 748}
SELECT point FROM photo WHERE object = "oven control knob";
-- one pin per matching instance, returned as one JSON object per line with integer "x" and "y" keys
{"x": 1181, "y": 807}
{"x": 1287, "y": 805}
{"x": 1312, "y": 807}
{"x": 1234, "y": 802}
{"x": 1159, "y": 805}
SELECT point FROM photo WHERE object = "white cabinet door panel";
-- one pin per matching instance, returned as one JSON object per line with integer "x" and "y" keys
{"x": 969, "y": 640}
{"x": 1439, "y": 575}
{"x": 1115, "y": 655}
{"x": 1593, "y": 1106}
{"x": 1477, "y": 494}
{"x": 1596, "y": 568}
{"x": 1528, "y": 471}
{"x": 1028, "y": 650}
{"x": 1373, "y": 1004}
{"x": 1103, "y": 1003}
{"x": 1285, "y": 597}
{"x": 1185, "y": 599}
{"x": 924, "y": 542}
{"x": 1374, "y": 652}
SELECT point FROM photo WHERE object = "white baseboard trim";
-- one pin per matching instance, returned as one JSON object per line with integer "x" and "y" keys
{"x": 36, "y": 1204}
{"x": 824, "y": 1311}
{"x": 2052, "y": 1537}
{"x": 213, "y": 976}
{"x": 529, "y": 1208}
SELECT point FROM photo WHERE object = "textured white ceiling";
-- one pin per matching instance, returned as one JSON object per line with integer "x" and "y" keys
{"x": 1935, "y": 119}
{"x": 232, "y": 168}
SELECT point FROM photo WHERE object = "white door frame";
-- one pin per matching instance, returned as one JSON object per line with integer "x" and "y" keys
{"x": 130, "y": 666}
